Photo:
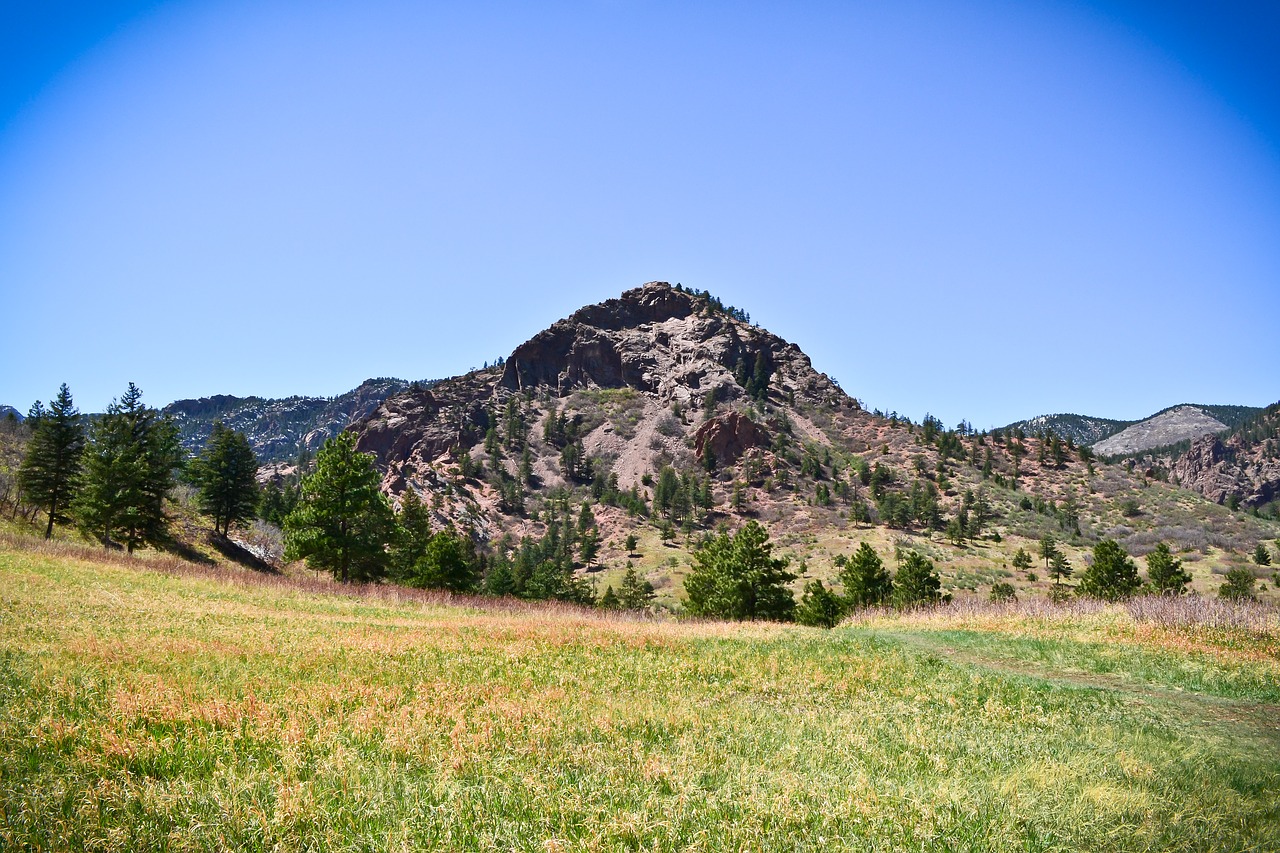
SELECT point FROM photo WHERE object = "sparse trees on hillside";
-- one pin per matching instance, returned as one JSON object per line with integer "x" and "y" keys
{"x": 129, "y": 464}
{"x": 342, "y": 522}
{"x": 225, "y": 473}
{"x": 51, "y": 467}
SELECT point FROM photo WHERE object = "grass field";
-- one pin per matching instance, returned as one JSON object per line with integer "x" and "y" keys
{"x": 148, "y": 706}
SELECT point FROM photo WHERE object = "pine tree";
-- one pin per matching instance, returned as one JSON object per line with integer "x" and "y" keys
{"x": 129, "y": 465}
{"x": 1165, "y": 572}
{"x": 1047, "y": 549}
{"x": 1059, "y": 567}
{"x": 916, "y": 582}
{"x": 739, "y": 578}
{"x": 1112, "y": 576}
{"x": 635, "y": 593}
{"x": 609, "y": 601}
{"x": 1261, "y": 555}
{"x": 631, "y": 543}
{"x": 342, "y": 523}
{"x": 226, "y": 472}
{"x": 411, "y": 535}
{"x": 819, "y": 607}
{"x": 51, "y": 465}
{"x": 1021, "y": 560}
{"x": 865, "y": 580}
{"x": 1238, "y": 585}
{"x": 445, "y": 564}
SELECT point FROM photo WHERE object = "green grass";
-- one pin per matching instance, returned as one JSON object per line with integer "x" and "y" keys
{"x": 145, "y": 710}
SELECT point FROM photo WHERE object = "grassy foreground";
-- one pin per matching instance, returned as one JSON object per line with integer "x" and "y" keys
{"x": 144, "y": 710}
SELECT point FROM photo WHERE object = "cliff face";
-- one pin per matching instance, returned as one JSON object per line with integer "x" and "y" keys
{"x": 1243, "y": 466}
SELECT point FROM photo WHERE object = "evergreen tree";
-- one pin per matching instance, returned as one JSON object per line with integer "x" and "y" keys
{"x": 865, "y": 580}
{"x": 1048, "y": 547}
{"x": 129, "y": 466}
{"x": 1261, "y": 555}
{"x": 631, "y": 543}
{"x": 635, "y": 593}
{"x": 916, "y": 582}
{"x": 51, "y": 466}
{"x": 1059, "y": 567}
{"x": 1112, "y": 576}
{"x": 1165, "y": 572}
{"x": 446, "y": 564}
{"x": 1021, "y": 560}
{"x": 226, "y": 473}
{"x": 342, "y": 523}
{"x": 411, "y": 535}
{"x": 739, "y": 578}
{"x": 609, "y": 601}
{"x": 819, "y": 607}
{"x": 1002, "y": 591}
{"x": 1238, "y": 585}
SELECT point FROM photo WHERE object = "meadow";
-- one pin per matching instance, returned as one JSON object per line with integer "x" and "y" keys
{"x": 150, "y": 704}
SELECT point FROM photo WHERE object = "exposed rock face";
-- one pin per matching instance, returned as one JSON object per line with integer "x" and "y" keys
{"x": 730, "y": 436}
{"x": 663, "y": 342}
{"x": 1218, "y": 470}
{"x": 1171, "y": 427}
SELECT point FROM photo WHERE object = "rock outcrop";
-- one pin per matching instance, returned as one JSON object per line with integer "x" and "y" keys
{"x": 729, "y": 436}
{"x": 1218, "y": 470}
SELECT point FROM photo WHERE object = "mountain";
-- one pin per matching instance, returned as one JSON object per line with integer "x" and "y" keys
{"x": 1171, "y": 426}
{"x": 1081, "y": 429}
{"x": 279, "y": 429}
{"x": 1165, "y": 429}
{"x": 663, "y": 415}
{"x": 6, "y": 411}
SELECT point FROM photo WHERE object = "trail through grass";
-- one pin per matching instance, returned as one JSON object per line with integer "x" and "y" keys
{"x": 146, "y": 711}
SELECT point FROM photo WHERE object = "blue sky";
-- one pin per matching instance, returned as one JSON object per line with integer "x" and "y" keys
{"x": 983, "y": 210}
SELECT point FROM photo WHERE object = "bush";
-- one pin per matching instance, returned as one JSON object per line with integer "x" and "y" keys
{"x": 1238, "y": 586}
{"x": 1002, "y": 591}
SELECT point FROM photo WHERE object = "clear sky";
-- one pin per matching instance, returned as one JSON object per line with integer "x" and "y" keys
{"x": 977, "y": 209}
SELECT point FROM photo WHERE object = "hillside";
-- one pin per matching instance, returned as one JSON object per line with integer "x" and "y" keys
{"x": 669, "y": 415}
{"x": 1171, "y": 426}
{"x": 10, "y": 411}
{"x": 152, "y": 705}
{"x": 278, "y": 429}
{"x": 1081, "y": 429}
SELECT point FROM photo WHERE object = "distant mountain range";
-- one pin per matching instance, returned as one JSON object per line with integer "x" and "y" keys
{"x": 278, "y": 429}
{"x": 5, "y": 411}
{"x": 1108, "y": 437}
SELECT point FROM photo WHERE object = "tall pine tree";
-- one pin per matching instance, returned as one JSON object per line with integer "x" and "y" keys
{"x": 226, "y": 474}
{"x": 342, "y": 523}
{"x": 129, "y": 466}
{"x": 52, "y": 463}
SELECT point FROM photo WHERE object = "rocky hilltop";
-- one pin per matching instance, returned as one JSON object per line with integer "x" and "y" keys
{"x": 630, "y": 371}
{"x": 278, "y": 429}
{"x": 1169, "y": 427}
